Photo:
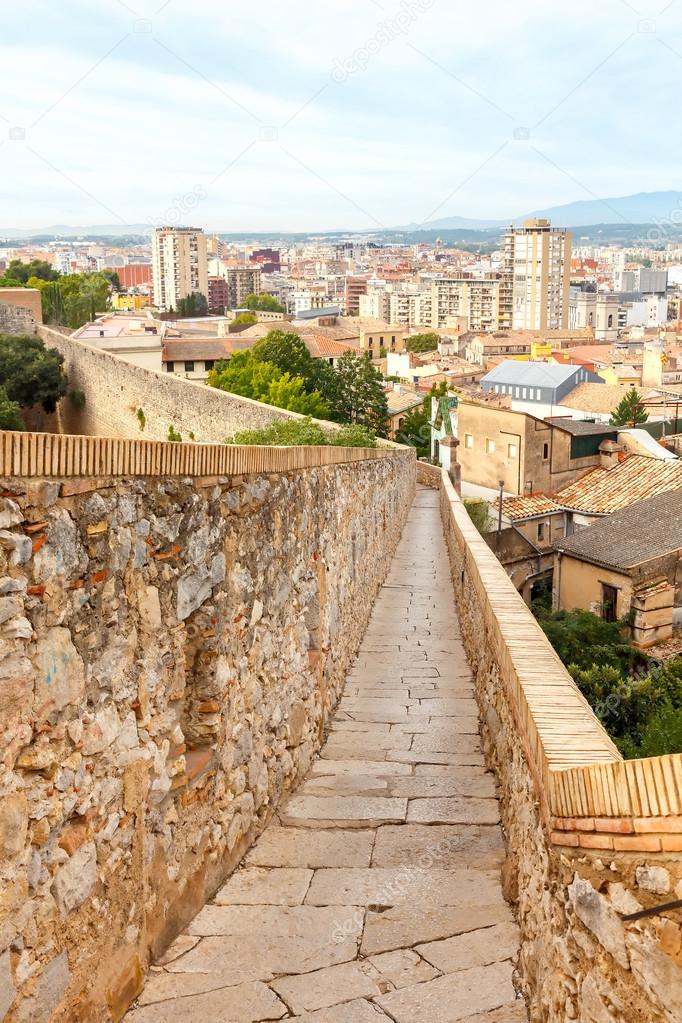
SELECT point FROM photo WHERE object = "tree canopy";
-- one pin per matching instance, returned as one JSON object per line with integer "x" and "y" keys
{"x": 194, "y": 304}
{"x": 629, "y": 410}
{"x": 251, "y": 377}
{"x": 426, "y": 342}
{"x": 72, "y": 299}
{"x": 30, "y": 373}
{"x": 39, "y": 268}
{"x": 352, "y": 392}
{"x": 264, "y": 303}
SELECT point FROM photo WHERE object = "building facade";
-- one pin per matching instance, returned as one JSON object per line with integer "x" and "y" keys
{"x": 179, "y": 265}
{"x": 536, "y": 277}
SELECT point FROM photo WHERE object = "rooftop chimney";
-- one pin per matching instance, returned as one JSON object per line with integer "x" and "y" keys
{"x": 609, "y": 453}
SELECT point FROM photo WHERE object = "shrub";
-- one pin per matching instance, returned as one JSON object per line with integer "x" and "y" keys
{"x": 479, "y": 513}
{"x": 77, "y": 399}
{"x": 141, "y": 419}
{"x": 294, "y": 432}
{"x": 173, "y": 434}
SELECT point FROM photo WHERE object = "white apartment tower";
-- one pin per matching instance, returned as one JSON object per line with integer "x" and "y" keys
{"x": 179, "y": 265}
{"x": 536, "y": 277}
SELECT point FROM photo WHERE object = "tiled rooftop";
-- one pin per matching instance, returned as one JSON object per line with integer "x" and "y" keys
{"x": 602, "y": 491}
{"x": 528, "y": 506}
{"x": 645, "y": 530}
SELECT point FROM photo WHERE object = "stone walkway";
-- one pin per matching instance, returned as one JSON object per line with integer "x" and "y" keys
{"x": 375, "y": 895}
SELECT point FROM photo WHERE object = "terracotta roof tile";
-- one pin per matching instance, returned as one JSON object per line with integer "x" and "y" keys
{"x": 602, "y": 491}
{"x": 527, "y": 506}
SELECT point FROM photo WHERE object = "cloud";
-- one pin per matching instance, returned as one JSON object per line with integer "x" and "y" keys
{"x": 301, "y": 116}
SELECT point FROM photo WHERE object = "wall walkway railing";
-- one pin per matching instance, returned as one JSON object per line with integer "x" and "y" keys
{"x": 46, "y": 454}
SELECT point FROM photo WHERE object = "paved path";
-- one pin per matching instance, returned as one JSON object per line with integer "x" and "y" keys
{"x": 376, "y": 894}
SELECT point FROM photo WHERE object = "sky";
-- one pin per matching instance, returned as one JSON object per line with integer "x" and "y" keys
{"x": 293, "y": 115}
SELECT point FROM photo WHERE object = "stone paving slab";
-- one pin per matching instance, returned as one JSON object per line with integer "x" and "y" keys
{"x": 375, "y": 892}
{"x": 438, "y": 845}
{"x": 295, "y": 847}
{"x": 453, "y": 997}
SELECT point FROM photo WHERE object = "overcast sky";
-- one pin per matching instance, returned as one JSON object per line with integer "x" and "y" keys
{"x": 299, "y": 115}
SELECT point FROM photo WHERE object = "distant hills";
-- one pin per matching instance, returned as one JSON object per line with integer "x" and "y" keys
{"x": 644, "y": 208}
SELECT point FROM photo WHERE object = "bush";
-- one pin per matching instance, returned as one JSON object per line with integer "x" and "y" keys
{"x": 295, "y": 432}
{"x": 638, "y": 701}
{"x": 10, "y": 413}
{"x": 173, "y": 435}
{"x": 479, "y": 513}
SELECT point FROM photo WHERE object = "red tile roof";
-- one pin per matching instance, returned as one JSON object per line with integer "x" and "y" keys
{"x": 602, "y": 491}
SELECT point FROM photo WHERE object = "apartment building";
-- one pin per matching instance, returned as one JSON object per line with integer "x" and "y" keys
{"x": 354, "y": 288}
{"x": 475, "y": 299}
{"x": 179, "y": 265}
{"x": 242, "y": 281}
{"x": 535, "y": 277}
{"x": 218, "y": 295}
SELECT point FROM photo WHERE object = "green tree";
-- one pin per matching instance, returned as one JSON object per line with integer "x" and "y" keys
{"x": 194, "y": 304}
{"x": 30, "y": 373}
{"x": 264, "y": 303}
{"x": 73, "y": 299}
{"x": 251, "y": 377}
{"x": 629, "y": 410}
{"x": 426, "y": 342}
{"x": 39, "y": 268}
{"x": 245, "y": 319}
{"x": 10, "y": 413}
{"x": 289, "y": 352}
{"x": 359, "y": 395}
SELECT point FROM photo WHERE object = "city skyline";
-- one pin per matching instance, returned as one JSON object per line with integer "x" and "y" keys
{"x": 361, "y": 116}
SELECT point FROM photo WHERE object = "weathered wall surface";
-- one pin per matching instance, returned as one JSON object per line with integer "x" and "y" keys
{"x": 20, "y": 310}
{"x": 170, "y": 649}
{"x": 574, "y": 879}
{"x": 115, "y": 390}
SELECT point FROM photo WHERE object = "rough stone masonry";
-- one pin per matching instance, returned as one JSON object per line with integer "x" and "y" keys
{"x": 170, "y": 650}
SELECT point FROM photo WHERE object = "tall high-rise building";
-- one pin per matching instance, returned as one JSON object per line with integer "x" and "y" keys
{"x": 536, "y": 276}
{"x": 179, "y": 265}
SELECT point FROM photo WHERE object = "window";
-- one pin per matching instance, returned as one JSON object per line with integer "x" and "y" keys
{"x": 489, "y": 446}
{"x": 524, "y": 392}
{"x": 609, "y": 603}
{"x": 209, "y": 364}
{"x": 468, "y": 440}
{"x": 541, "y": 530}
{"x": 610, "y": 320}
{"x": 517, "y": 391}
{"x": 189, "y": 367}
{"x": 545, "y": 451}
{"x": 512, "y": 450}
{"x": 170, "y": 367}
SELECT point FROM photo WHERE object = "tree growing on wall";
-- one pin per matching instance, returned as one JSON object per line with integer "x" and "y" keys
{"x": 629, "y": 410}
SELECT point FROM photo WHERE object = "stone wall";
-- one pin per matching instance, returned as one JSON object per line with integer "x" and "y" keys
{"x": 170, "y": 650}
{"x": 590, "y": 839}
{"x": 20, "y": 310}
{"x": 124, "y": 400}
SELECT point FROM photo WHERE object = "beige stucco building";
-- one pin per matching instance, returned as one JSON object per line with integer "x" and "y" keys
{"x": 179, "y": 265}
{"x": 536, "y": 277}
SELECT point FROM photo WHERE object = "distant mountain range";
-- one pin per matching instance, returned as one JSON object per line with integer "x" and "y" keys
{"x": 642, "y": 208}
